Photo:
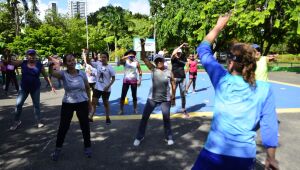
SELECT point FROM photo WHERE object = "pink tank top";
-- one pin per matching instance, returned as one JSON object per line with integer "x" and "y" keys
{"x": 193, "y": 66}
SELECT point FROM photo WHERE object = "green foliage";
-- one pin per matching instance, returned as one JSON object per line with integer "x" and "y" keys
{"x": 190, "y": 20}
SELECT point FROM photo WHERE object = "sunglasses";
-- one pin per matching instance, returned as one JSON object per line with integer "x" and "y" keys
{"x": 234, "y": 58}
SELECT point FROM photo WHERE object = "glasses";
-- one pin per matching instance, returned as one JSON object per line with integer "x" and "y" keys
{"x": 235, "y": 58}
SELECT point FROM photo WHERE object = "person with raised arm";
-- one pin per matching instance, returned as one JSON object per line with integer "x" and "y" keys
{"x": 241, "y": 103}
{"x": 178, "y": 61}
{"x": 131, "y": 70}
{"x": 30, "y": 84}
{"x": 76, "y": 98}
{"x": 104, "y": 80}
{"x": 159, "y": 94}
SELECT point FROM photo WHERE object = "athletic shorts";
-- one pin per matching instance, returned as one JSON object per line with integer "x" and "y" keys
{"x": 97, "y": 94}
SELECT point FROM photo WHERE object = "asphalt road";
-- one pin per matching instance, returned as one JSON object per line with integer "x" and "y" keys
{"x": 30, "y": 148}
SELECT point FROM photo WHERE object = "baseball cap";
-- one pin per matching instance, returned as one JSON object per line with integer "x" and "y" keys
{"x": 130, "y": 52}
{"x": 255, "y": 46}
{"x": 179, "y": 51}
{"x": 30, "y": 51}
{"x": 157, "y": 56}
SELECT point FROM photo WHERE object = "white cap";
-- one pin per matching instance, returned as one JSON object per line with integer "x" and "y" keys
{"x": 161, "y": 53}
{"x": 179, "y": 51}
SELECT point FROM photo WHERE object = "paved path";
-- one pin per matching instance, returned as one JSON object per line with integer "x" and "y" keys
{"x": 29, "y": 147}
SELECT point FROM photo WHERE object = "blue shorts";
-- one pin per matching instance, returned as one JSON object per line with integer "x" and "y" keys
{"x": 211, "y": 161}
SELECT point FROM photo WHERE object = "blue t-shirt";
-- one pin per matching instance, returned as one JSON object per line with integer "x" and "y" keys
{"x": 30, "y": 80}
{"x": 238, "y": 109}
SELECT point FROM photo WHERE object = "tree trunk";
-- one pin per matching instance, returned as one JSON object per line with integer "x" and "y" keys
{"x": 17, "y": 20}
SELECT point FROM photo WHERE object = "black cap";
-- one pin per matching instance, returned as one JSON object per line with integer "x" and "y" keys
{"x": 130, "y": 52}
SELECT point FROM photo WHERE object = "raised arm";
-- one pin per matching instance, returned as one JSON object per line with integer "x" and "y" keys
{"x": 174, "y": 54}
{"x": 55, "y": 73}
{"x": 143, "y": 56}
{"x": 140, "y": 73}
{"x": 215, "y": 70}
{"x": 123, "y": 59}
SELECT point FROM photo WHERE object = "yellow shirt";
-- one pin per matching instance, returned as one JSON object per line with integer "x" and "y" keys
{"x": 261, "y": 72}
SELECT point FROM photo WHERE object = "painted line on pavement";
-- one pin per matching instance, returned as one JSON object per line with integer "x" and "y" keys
{"x": 288, "y": 84}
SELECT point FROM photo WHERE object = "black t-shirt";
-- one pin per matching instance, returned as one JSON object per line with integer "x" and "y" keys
{"x": 178, "y": 66}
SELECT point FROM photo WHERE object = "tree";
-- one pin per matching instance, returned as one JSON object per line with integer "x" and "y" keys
{"x": 266, "y": 22}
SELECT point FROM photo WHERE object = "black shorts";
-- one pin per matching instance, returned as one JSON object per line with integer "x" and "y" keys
{"x": 97, "y": 94}
{"x": 92, "y": 86}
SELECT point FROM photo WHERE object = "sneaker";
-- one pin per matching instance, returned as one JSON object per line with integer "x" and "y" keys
{"x": 88, "y": 152}
{"x": 137, "y": 142}
{"x": 170, "y": 142}
{"x": 91, "y": 118}
{"x": 120, "y": 112}
{"x": 185, "y": 114}
{"x": 15, "y": 125}
{"x": 40, "y": 125}
{"x": 55, "y": 154}
{"x": 108, "y": 122}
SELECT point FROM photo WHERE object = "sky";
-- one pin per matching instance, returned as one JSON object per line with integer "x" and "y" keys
{"x": 136, "y": 6}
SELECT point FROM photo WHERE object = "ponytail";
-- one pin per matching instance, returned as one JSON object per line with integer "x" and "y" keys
{"x": 247, "y": 64}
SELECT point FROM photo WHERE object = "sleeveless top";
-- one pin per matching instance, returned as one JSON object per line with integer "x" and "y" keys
{"x": 193, "y": 66}
{"x": 30, "y": 80}
{"x": 130, "y": 72}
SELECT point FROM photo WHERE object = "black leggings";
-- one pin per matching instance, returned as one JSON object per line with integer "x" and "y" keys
{"x": 82, "y": 112}
{"x": 125, "y": 88}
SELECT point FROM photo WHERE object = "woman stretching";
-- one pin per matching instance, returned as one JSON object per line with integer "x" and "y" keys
{"x": 76, "y": 98}
{"x": 241, "y": 103}
{"x": 159, "y": 95}
{"x": 192, "y": 69}
{"x": 131, "y": 66}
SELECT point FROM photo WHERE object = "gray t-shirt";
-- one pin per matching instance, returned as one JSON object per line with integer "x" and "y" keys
{"x": 160, "y": 90}
{"x": 74, "y": 86}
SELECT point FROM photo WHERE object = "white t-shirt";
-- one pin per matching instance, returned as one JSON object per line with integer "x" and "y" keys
{"x": 104, "y": 75}
{"x": 93, "y": 73}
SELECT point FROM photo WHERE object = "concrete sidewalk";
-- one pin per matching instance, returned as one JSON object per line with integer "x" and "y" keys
{"x": 30, "y": 148}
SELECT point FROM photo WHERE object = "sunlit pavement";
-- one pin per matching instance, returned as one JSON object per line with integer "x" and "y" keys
{"x": 30, "y": 148}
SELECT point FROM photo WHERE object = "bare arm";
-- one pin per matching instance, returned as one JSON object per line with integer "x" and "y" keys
{"x": 140, "y": 73}
{"x": 123, "y": 59}
{"x": 221, "y": 23}
{"x": 187, "y": 66}
{"x": 174, "y": 54}
{"x": 113, "y": 78}
{"x": 16, "y": 63}
{"x": 271, "y": 162}
{"x": 54, "y": 72}
{"x": 144, "y": 58}
{"x": 173, "y": 89}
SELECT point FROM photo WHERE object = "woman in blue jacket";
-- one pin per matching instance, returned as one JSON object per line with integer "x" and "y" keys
{"x": 241, "y": 103}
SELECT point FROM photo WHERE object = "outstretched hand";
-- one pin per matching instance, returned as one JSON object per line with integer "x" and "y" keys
{"x": 223, "y": 20}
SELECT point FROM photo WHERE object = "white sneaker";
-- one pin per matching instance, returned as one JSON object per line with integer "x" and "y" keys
{"x": 137, "y": 142}
{"x": 15, "y": 125}
{"x": 40, "y": 125}
{"x": 170, "y": 142}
